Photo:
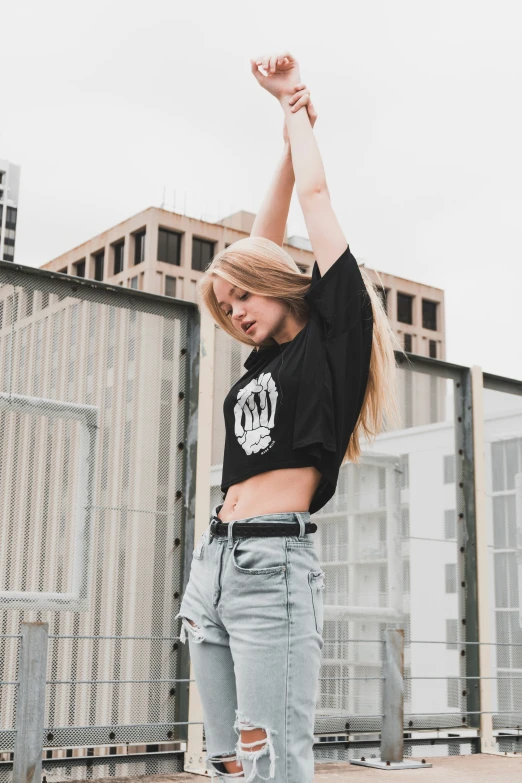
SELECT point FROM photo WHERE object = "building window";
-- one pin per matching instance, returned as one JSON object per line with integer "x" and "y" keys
{"x": 408, "y": 343}
{"x": 63, "y": 271}
{"x": 451, "y": 634}
{"x": 404, "y": 468}
{"x": 429, "y": 314}
{"x": 202, "y": 252}
{"x": 2, "y": 175}
{"x": 406, "y": 576}
{"x": 169, "y": 246}
{"x": 1, "y": 212}
{"x": 404, "y": 308}
{"x": 433, "y": 349}
{"x": 8, "y": 256}
{"x": 139, "y": 247}
{"x": 505, "y": 522}
{"x": 449, "y": 468}
{"x": 450, "y": 524}
{"x": 10, "y": 219}
{"x": 79, "y": 268}
{"x": 383, "y": 296}
{"x": 170, "y": 286}
{"x": 405, "y": 522}
{"x": 98, "y": 265}
{"x": 119, "y": 247}
{"x": 134, "y": 282}
{"x": 506, "y": 462}
{"x": 451, "y": 577}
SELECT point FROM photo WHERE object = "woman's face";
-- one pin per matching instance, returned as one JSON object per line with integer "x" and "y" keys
{"x": 260, "y": 317}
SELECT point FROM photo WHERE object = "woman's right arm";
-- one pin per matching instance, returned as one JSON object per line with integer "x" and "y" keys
{"x": 270, "y": 221}
{"x": 271, "y": 218}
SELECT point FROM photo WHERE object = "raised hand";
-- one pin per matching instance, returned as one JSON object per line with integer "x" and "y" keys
{"x": 278, "y": 75}
{"x": 297, "y": 101}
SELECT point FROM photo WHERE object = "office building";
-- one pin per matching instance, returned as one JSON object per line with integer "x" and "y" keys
{"x": 9, "y": 193}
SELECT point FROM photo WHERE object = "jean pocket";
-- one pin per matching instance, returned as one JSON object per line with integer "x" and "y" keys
{"x": 316, "y": 582}
{"x": 198, "y": 551}
{"x": 258, "y": 555}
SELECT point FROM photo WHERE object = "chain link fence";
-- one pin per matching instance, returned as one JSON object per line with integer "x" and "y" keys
{"x": 98, "y": 398}
{"x": 98, "y": 415}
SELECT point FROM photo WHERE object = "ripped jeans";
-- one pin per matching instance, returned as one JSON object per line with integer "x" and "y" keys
{"x": 255, "y": 641}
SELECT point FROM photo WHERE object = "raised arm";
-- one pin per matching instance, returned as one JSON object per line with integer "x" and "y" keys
{"x": 326, "y": 235}
{"x": 272, "y": 216}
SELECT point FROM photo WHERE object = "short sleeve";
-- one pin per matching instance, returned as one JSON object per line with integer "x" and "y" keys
{"x": 339, "y": 297}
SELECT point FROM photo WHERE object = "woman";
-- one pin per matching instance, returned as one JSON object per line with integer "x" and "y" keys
{"x": 319, "y": 376}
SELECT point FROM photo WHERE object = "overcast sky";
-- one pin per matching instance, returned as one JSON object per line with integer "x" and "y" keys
{"x": 108, "y": 105}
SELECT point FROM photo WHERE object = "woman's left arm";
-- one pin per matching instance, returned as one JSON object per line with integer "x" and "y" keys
{"x": 325, "y": 233}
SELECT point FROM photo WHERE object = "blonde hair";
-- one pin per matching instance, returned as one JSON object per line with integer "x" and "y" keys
{"x": 262, "y": 267}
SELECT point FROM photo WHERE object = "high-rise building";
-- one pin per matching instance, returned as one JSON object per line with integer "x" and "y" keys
{"x": 165, "y": 253}
{"x": 9, "y": 192}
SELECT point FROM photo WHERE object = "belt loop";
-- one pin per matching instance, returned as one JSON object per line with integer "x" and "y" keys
{"x": 230, "y": 535}
{"x": 301, "y": 525}
{"x": 210, "y": 534}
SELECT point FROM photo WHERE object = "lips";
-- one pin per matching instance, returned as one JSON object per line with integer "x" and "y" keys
{"x": 247, "y": 326}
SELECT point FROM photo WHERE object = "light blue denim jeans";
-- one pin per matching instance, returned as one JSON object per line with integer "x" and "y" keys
{"x": 255, "y": 641}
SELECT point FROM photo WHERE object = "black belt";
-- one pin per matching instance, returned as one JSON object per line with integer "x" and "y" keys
{"x": 246, "y": 529}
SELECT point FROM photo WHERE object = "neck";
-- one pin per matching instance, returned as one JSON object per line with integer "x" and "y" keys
{"x": 288, "y": 333}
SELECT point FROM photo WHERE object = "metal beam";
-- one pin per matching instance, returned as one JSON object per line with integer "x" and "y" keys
{"x": 30, "y": 706}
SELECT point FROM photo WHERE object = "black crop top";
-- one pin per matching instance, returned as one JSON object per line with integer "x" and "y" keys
{"x": 298, "y": 402}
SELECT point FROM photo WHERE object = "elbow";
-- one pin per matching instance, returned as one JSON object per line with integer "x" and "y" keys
{"x": 317, "y": 191}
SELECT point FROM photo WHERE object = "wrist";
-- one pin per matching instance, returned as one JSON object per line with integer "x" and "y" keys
{"x": 284, "y": 99}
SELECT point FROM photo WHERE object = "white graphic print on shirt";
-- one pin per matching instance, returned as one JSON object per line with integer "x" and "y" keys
{"x": 254, "y": 413}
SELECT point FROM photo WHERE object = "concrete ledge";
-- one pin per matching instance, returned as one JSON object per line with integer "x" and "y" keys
{"x": 475, "y": 769}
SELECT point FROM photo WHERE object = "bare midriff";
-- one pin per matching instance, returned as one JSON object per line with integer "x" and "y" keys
{"x": 287, "y": 489}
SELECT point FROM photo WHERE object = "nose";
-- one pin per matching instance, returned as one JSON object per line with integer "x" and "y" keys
{"x": 239, "y": 314}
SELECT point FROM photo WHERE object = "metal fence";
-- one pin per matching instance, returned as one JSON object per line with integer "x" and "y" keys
{"x": 98, "y": 409}
{"x": 102, "y": 401}
{"x": 398, "y": 544}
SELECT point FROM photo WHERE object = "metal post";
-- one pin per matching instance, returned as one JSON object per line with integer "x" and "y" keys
{"x": 518, "y": 518}
{"x": 466, "y": 509}
{"x": 30, "y": 708}
{"x": 392, "y": 736}
{"x": 194, "y": 755}
{"x": 488, "y": 743}
{"x": 392, "y": 740}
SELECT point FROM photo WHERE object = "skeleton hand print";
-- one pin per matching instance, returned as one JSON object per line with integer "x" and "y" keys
{"x": 254, "y": 413}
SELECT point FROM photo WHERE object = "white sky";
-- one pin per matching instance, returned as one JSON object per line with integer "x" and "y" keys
{"x": 105, "y": 104}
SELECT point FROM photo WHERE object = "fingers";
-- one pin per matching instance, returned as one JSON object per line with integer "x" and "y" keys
{"x": 270, "y": 63}
{"x": 301, "y": 97}
{"x": 303, "y": 100}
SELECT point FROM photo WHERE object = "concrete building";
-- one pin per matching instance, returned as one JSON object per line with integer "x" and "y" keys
{"x": 165, "y": 253}
{"x": 9, "y": 193}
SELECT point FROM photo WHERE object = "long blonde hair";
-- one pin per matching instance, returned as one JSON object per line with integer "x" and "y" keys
{"x": 262, "y": 267}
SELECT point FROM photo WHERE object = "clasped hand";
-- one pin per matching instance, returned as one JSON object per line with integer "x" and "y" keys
{"x": 281, "y": 78}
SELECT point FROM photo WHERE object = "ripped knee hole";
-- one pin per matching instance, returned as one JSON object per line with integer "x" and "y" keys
{"x": 190, "y": 626}
{"x": 253, "y": 743}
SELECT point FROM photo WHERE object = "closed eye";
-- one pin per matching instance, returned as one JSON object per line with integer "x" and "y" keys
{"x": 241, "y": 299}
